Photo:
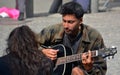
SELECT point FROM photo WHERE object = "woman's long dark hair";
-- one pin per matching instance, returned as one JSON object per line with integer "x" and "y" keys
{"x": 22, "y": 44}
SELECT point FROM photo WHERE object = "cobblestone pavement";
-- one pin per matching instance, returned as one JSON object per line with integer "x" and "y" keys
{"x": 108, "y": 23}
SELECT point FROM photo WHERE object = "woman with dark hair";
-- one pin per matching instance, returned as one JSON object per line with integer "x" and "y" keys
{"x": 23, "y": 56}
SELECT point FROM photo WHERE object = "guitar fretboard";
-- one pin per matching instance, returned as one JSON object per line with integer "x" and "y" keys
{"x": 72, "y": 58}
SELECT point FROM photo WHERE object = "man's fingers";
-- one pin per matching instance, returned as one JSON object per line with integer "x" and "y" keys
{"x": 87, "y": 57}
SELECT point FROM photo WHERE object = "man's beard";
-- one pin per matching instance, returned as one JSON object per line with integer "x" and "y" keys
{"x": 71, "y": 33}
{"x": 68, "y": 31}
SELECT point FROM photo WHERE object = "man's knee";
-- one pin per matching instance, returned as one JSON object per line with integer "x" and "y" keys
{"x": 77, "y": 71}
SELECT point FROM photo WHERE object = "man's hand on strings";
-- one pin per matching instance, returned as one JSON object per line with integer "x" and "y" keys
{"x": 87, "y": 60}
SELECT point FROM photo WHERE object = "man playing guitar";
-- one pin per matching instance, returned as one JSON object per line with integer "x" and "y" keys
{"x": 76, "y": 36}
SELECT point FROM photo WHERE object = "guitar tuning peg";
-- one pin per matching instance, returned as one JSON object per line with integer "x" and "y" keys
{"x": 112, "y": 57}
{"x": 108, "y": 57}
{"x": 114, "y": 47}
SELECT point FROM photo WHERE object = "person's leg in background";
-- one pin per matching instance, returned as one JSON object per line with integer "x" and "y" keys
{"x": 55, "y": 6}
{"x": 29, "y": 6}
{"x": 85, "y": 4}
{"x": 20, "y": 5}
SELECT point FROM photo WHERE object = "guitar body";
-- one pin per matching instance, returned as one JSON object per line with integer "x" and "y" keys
{"x": 63, "y": 69}
{"x": 65, "y": 58}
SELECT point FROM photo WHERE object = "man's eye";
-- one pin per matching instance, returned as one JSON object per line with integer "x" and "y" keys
{"x": 71, "y": 21}
{"x": 64, "y": 20}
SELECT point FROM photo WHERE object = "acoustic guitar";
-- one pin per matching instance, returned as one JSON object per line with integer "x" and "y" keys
{"x": 65, "y": 58}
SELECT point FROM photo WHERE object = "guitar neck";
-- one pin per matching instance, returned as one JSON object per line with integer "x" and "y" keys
{"x": 72, "y": 58}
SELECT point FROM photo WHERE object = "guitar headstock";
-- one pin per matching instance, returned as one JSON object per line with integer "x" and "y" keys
{"x": 107, "y": 52}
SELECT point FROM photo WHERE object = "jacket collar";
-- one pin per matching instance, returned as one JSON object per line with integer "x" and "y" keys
{"x": 85, "y": 37}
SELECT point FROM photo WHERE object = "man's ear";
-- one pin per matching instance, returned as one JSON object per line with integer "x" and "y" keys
{"x": 81, "y": 20}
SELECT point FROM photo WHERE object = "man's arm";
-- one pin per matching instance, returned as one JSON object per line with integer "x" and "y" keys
{"x": 99, "y": 65}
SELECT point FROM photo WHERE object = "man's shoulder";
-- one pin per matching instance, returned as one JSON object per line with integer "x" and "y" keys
{"x": 91, "y": 29}
{"x": 92, "y": 32}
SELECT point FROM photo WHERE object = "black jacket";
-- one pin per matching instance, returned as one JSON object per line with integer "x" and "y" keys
{"x": 5, "y": 66}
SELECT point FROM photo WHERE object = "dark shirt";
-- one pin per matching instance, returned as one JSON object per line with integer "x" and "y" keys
{"x": 5, "y": 66}
{"x": 72, "y": 43}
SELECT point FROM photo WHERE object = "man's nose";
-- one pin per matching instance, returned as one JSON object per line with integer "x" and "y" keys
{"x": 66, "y": 24}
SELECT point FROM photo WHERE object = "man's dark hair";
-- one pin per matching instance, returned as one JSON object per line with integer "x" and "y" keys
{"x": 72, "y": 8}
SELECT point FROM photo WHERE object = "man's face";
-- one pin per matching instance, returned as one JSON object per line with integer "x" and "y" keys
{"x": 71, "y": 24}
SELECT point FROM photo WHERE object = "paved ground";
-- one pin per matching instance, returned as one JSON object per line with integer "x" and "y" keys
{"x": 108, "y": 23}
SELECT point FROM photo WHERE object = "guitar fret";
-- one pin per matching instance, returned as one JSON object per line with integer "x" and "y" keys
{"x": 93, "y": 53}
{"x": 61, "y": 60}
{"x": 68, "y": 59}
{"x": 71, "y": 58}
